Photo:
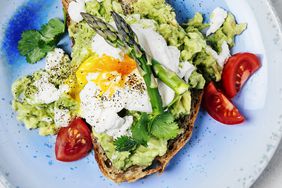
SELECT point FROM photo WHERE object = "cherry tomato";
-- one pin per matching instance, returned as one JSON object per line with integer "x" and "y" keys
{"x": 73, "y": 142}
{"x": 237, "y": 70}
{"x": 219, "y": 107}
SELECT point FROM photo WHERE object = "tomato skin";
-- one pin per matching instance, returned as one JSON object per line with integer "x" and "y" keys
{"x": 73, "y": 142}
{"x": 220, "y": 107}
{"x": 237, "y": 71}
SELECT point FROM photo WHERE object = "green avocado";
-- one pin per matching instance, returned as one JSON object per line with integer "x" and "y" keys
{"x": 142, "y": 156}
{"x": 182, "y": 105}
{"x": 197, "y": 22}
{"x": 82, "y": 35}
{"x": 197, "y": 80}
{"x": 37, "y": 115}
{"x": 226, "y": 33}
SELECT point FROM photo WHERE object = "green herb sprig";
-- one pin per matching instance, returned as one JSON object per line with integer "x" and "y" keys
{"x": 35, "y": 45}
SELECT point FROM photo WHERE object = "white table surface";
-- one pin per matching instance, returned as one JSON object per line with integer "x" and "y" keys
{"x": 272, "y": 175}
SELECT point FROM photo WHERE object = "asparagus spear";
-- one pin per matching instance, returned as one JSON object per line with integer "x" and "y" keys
{"x": 111, "y": 36}
{"x": 128, "y": 43}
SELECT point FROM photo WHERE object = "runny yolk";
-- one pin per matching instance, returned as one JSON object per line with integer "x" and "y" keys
{"x": 108, "y": 64}
{"x": 105, "y": 66}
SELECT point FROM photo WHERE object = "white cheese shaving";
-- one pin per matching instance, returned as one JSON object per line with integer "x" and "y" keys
{"x": 62, "y": 117}
{"x": 185, "y": 70}
{"x": 223, "y": 56}
{"x": 121, "y": 127}
{"x": 101, "y": 47}
{"x": 217, "y": 19}
{"x": 156, "y": 46}
{"x": 46, "y": 91}
{"x": 47, "y": 119}
{"x": 75, "y": 8}
{"x": 54, "y": 58}
{"x": 166, "y": 93}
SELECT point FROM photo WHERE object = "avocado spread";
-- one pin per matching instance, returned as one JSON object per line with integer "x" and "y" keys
{"x": 142, "y": 156}
{"x": 32, "y": 98}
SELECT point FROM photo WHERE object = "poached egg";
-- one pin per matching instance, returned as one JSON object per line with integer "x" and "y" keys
{"x": 107, "y": 84}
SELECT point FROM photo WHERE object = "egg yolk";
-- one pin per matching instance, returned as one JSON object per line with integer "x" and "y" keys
{"x": 111, "y": 73}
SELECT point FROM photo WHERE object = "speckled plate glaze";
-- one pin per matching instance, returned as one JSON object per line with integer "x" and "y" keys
{"x": 217, "y": 155}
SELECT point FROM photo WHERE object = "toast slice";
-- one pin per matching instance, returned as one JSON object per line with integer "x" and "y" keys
{"x": 134, "y": 173}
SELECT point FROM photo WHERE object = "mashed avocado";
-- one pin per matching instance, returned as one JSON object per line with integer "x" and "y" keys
{"x": 32, "y": 115}
{"x": 197, "y": 80}
{"x": 182, "y": 105}
{"x": 226, "y": 33}
{"x": 208, "y": 65}
{"x": 82, "y": 35}
{"x": 142, "y": 156}
{"x": 35, "y": 113}
{"x": 196, "y": 23}
{"x": 41, "y": 116}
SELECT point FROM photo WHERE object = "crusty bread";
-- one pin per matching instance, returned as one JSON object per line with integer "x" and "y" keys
{"x": 136, "y": 172}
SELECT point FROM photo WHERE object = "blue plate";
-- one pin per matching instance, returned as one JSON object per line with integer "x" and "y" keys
{"x": 217, "y": 155}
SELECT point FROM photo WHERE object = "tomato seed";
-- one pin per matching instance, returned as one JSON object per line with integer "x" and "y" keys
{"x": 83, "y": 141}
{"x": 78, "y": 135}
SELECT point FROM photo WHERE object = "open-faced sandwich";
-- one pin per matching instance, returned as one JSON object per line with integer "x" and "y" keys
{"x": 133, "y": 85}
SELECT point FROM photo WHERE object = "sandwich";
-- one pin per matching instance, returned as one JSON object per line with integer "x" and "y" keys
{"x": 185, "y": 121}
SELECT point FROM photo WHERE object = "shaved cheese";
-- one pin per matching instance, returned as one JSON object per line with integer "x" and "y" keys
{"x": 101, "y": 47}
{"x": 223, "y": 56}
{"x": 217, "y": 19}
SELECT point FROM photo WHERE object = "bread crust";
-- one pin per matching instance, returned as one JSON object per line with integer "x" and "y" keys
{"x": 135, "y": 173}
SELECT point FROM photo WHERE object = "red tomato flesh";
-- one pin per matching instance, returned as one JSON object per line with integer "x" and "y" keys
{"x": 73, "y": 142}
{"x": 219, "y": 107}
{"x": 237, "y": 71}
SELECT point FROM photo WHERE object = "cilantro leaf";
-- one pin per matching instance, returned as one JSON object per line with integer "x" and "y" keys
{"x": 34, "y": 45}
{"x": 47, "y": 47}
{"x": 52, "y": 29}
{"x": 139, "y": 130}
{"x": 29, "y": 41}
{"x": 125, "y": 143}
{"x": 164, "y": 127}
{"x": 35, "y": 55}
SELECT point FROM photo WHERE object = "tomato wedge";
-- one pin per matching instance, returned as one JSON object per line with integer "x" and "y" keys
{"x": 73, "y": 142}
{"x": 219, "y": 107}
{"x": 237, "y": 71}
